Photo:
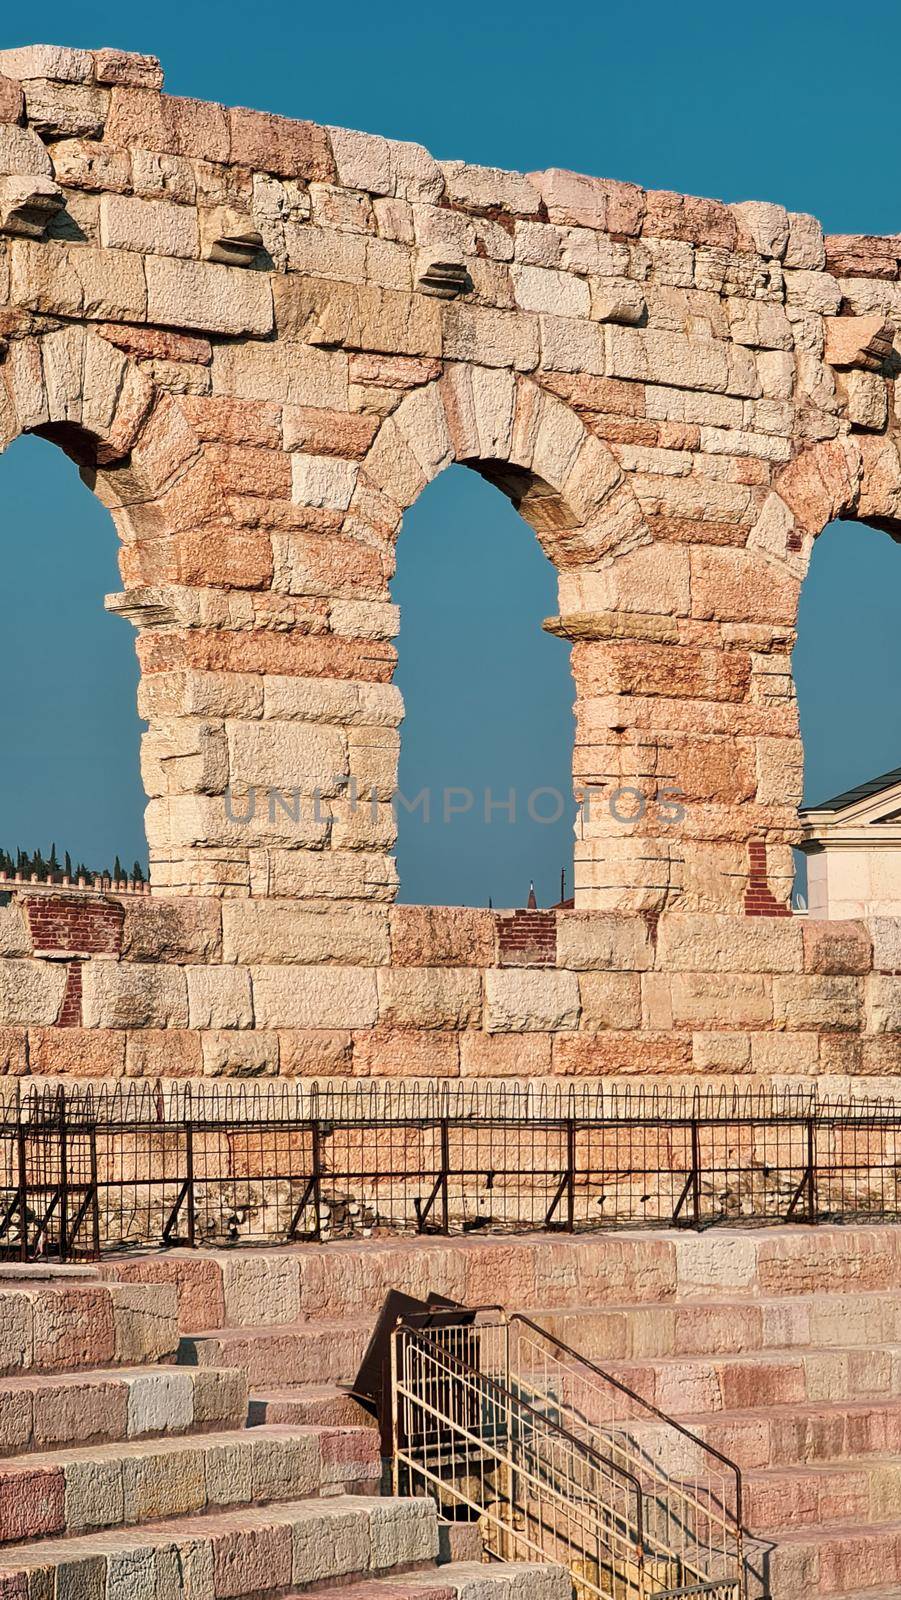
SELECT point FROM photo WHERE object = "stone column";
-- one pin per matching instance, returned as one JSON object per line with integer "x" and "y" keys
{"x": 687, "y": 745}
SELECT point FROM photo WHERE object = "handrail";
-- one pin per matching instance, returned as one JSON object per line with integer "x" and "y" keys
{"x": 630, "y": 1541}
{"x": 523, "y": 1405}
{"x": 679, "y": 1498}
{"x": 691, "y": 1533}
{"x": 646, "y": 1405}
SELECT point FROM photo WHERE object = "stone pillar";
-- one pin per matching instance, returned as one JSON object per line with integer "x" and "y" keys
{"x": 687, "y": 743}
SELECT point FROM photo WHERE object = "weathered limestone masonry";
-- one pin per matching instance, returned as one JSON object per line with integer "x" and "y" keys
{"x": 260, "y": 339}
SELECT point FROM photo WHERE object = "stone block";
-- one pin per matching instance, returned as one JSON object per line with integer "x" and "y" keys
{"x": 31, "y": 992}
{"x": 314, "y": 1052}
{"x": 839, "y": 948}
{"x": 741, "y": 586}
{"x": 15, "y": 939}
{"x": 429, "y": 997}
{"x": 886, "y": 935}
{"x": 561, "y": 293}
{"x": 883, "y": 1004}
{"x": 12, "y": 100}
{"x": 593, "y": 941}
{"x": 402, "y": 1532}
{"x": 323, "y": 481}
{"x": 803, "y": 1001}
{"x": 314, "y": 997}
{"x": 22, "y": 154}
{"x": 442, "y": 936}
{"x": 14, "y": 1052}
{"x": 219, "y": 997}
{"x": 78, "y": 281}
{"x": 171, "y": 930}
{"x": 574, "y": 199}
{"x": 520, "y": 1000}
{"x": 490, "y": 338}
{"x": 363, "y": 161}
{"x": 65, "y": 110}
{"x": 704, "y": 999}
{"x": 286, "y": 756}
{"x": 148, "y": 226}
{"x": 423, "y": 1053}
{"x": 265, "y": 932}
{"x": 131, "y": 994}
{"x": 504, "y": 1055}
{"x": 324, "y": 700}
{"x": 621, "y": 1053}
{"x": 158, "y": 1402}
{"x": 48, "y": 61}
{"x": 866, "y": 400}
{"x": 77, "y": 1052}
{"x": 163, "y": 1053}
{"x": 280, "y": 145}
{"x": 488, "y": 187}
{"x": 766, "y": 225}
{"x": 654, "y": 580}
{"x": 327, "y": 1542}
{"x": 127, "y": 69}
{"x": 209, "y": 297}
{"x": 721, "y": 1052}
{"x": 806, "y": 247}
{"x": 609, "y": 1000}
{"x": 239, "y": 1053}
{"x": 709, "y": 943}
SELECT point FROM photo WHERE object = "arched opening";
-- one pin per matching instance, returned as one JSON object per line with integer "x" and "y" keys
{"x": 69, "y": 726}
{"x": 847, "y": 664}
{"x": 488, "y": 729}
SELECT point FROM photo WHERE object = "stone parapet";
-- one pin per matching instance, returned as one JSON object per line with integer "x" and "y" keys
{"x": 208, "y": 989}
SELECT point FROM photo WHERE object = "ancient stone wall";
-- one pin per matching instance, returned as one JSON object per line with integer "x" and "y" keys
{"x": 260, "y": 339}
{"x": 209, "y": 987}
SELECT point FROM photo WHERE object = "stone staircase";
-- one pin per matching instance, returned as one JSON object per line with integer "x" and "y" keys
{"x": 780, "y": 1347}
{"x": 124, "y": 1476}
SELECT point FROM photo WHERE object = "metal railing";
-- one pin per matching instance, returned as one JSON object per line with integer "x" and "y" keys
{"x": 558, "y": 1461}
{"x": 83, "y": 1172}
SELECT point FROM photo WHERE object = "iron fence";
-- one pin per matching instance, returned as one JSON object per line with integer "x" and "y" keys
{"x": 87, "y": 1171}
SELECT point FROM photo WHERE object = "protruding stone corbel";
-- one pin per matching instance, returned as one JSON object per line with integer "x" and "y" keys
{"x": 858, "y": 341}
{"x": 582, "y": 626}
{"x": 231, "y": 237}
{"x": 149, "y": 607}
{"x": 444, "y": 279}
{"x": 28, "y": 205}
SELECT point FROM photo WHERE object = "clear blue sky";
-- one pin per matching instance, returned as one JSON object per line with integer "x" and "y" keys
{"x": 699, "y": 98}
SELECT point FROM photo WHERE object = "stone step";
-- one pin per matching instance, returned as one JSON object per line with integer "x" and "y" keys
{"x": 849, "y": 1558}
{"x": 821, "y": 1495}
{"x": 771, "y": 1436}
{"x": 125, "y": 1485}
{"x": 314, "y": 1403}
{"x": 707, "y": 1327}
{"x": 229, "y": 1555}
{"x": 251, "y": 1287}
{"x": 458, "y": 1580}
{"x": 64, "y": 1325}
{"x": 696, "y": 1385}
{"x": 118, "y": 1403}
{"x": 317, "y": 1351}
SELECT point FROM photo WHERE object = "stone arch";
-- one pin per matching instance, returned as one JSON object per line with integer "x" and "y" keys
{"x": 565, "y": 482}
{"x": 137, "y": 451}
{"x": 131, "y": 441}
{"x": 855, "y": 476}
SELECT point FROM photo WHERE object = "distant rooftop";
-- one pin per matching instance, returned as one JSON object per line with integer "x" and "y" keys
{"x": 863, "y": 791}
